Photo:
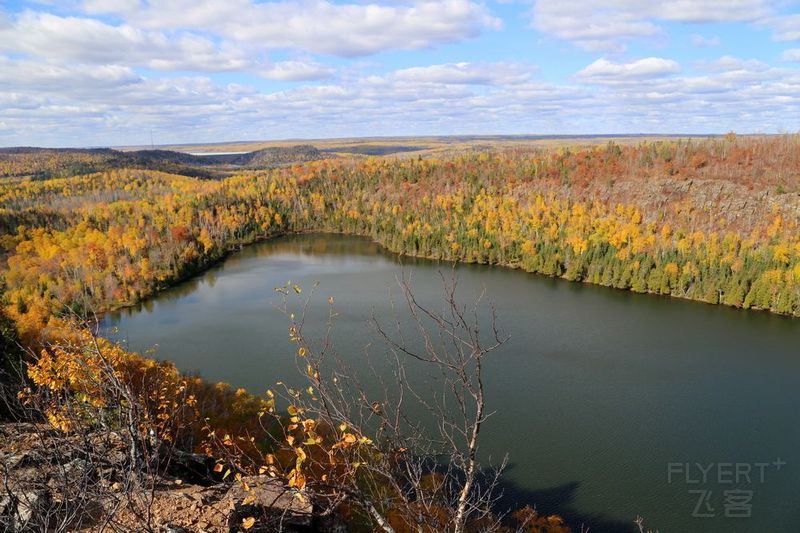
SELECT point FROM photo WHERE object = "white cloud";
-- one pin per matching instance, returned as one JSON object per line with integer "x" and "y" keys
{"x": 703, "y": 11}
{"x": 318, "y": 26}
{"x": 111, "y": 6}
{"x": 607, "y": 26}
{"x": 91, "y": 41}
{"x": 44, "y": 106}
{"x": 705, "y": 42}
{"x": 605, "y": 71}
{"x": 589, "y": 27}
{"x": 41, "y": 77}
{"x": 729, "y": 63}
{"x": 296, "y": 71}
{"x": 467, "y": 74}
{"x": 80, "y": 80}
{"x": 792, "y": 54}
{"x": 786, "y": 28}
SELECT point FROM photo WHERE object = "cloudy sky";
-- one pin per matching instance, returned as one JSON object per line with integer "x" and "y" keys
{"x": 110, "y": 72}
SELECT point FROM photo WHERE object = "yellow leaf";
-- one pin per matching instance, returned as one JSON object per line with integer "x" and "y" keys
{"x": 301, "y": 454}
{"x": 248, "y": 522}
{"x": 297, "y": 479}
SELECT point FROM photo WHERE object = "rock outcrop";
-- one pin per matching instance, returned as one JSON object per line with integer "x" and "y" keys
{"x": 51, "y": 480}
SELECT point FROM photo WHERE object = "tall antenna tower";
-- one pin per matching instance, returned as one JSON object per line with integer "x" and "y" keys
{"x": 152, "y": 144}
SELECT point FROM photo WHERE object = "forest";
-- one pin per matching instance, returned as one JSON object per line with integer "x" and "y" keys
{"x": 712, "y": 220}
{"x": 718, "y": 223}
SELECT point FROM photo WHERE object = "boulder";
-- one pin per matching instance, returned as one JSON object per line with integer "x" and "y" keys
{"x": 24, "y": 511}
{"x": 190, "y": 467}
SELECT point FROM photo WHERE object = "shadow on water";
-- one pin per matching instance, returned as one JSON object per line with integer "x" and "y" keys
{"x": 559, "y": 500}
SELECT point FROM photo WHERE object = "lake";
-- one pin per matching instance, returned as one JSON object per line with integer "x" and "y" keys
{"x": 609, "y": 404}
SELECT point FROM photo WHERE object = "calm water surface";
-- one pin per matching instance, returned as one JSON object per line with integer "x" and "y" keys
{"x": 596, "y": 394}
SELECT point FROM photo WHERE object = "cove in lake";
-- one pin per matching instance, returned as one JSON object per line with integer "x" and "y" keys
{"x": 598, "y": 393}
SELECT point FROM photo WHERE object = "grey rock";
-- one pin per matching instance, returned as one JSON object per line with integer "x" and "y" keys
{"x": 20, "y": 460}
{"x": 25, "y": 511}
{"x": 169, "y": 528}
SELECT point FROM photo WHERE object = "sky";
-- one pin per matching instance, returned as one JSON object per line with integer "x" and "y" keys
{"x": 120, "y": 72}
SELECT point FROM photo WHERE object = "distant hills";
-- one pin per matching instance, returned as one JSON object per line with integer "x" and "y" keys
{"x": 217, "y": 160}
{"x": 277, "y": 156}
{"x": 47, "y": 163}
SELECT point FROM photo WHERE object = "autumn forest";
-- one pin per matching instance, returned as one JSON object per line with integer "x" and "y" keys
{"x": 714, "y": 220}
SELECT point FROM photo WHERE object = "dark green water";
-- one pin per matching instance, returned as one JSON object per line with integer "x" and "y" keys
{"x": 597, "y": 392}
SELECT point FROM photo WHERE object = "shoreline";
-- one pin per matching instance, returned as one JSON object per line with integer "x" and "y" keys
{"x": 454, "y": 262}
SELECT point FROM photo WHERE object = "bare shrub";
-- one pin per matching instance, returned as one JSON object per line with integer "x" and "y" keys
{"x": 374, "y": 443}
